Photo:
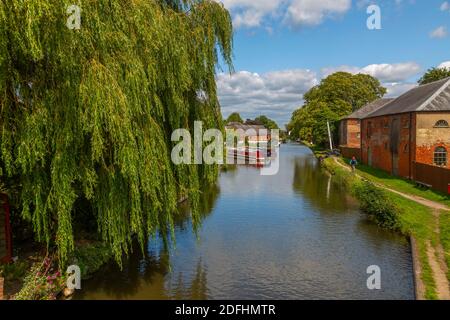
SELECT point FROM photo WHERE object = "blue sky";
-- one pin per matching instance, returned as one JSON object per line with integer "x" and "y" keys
{"x": 284, "y": 47}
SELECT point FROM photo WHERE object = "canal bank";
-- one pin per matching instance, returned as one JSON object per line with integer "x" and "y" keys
{"x": 295, "y": 235}
{"x": 420, "y": 219}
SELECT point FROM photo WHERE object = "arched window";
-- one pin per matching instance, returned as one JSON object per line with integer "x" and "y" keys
{"x": 441, "y": 124}
{"x": 440, "y": 156}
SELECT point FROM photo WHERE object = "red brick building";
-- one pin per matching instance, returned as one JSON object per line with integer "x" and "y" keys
{"x": 350, "y": 128}
{"x": 409, "y": 132}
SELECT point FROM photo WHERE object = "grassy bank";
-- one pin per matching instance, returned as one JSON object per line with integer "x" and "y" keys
{"x": 445, "y": 237}
{"x": 399, "y": 184}
{"x": 394, "y": 212}
{"x": 317, "y": 150}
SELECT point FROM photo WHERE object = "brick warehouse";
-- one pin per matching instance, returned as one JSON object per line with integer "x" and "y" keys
{"x": 350, "y": 128}
{"x": 411, "y": 130}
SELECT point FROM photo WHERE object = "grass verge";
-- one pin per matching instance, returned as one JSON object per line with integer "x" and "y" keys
{"x": 399, "y": 184}
{"x": 445, "y": 237}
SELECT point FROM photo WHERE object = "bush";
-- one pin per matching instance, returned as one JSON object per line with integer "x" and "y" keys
{"x": 375, "y": 202}
{"x": 91, "y": 257}
{"x": 43, "y": 282}
{"x": 14, "y": 271}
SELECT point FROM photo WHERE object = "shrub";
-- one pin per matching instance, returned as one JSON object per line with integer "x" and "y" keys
{"x": 43, "y": 282}
{"x": 14, "y": 271}
{"x": 375, "y": 202}
{"x": 91, "y": 257}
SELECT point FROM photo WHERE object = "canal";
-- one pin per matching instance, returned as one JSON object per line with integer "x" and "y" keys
{"x": 294, "y": 235}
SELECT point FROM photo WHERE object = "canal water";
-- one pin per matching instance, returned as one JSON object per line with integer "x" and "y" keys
{"x": 294, "y": 235}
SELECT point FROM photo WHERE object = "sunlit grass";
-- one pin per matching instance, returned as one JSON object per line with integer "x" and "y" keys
{"x": 444, "y": 222}
{"x": 399, "y": 184}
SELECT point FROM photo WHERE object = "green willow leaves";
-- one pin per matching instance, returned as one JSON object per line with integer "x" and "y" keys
{"x": 87, "y": 115}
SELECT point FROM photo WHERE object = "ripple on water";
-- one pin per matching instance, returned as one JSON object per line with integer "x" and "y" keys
{"x": 296, "y": 235}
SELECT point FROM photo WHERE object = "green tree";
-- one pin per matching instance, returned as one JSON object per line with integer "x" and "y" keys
{"x": 348, "y": 91}
{"x": 87, "y": 115}
{"x": 268, "y": 123}
{"x": 336, "y": 96}
{"x": 434, "y": 74}
{"x": 234, "y": 117}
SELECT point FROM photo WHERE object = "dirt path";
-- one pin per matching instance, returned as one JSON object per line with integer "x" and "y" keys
{"x": 439, "y": 272}
{"x": 428, "y": 203}
{"x": 435, "y": 254}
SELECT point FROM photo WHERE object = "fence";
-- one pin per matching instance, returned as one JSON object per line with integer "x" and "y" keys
{"x": 348, "y": 152}
{"x": 438, "y": 178}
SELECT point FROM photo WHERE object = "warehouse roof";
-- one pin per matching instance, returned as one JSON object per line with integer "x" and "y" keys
{"x": 434, "y": 96}
{"x": 368, "y": 109}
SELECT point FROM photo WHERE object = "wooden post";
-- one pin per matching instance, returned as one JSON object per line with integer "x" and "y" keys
{"x": 8, "y": 233}
{"x": 329, "y": 136}
{"x": 1, "y": 288}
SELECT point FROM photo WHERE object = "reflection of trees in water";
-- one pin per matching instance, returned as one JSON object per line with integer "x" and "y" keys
{"x": 145, "y": 276}
{"x": 208, "y": 198}
{"x": 322, "y": 190}
{"x": 195, "y": 289}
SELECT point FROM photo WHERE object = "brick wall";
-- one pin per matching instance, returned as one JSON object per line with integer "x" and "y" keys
{"x": 3, "y": 246}
{"x": 430, "y": 137}
{"x": 5, "y": 230}
{"x": 349, "y": 133}
{"x": 403, "y": 139}
{"x": 350, "y": 152}
{"x": 387, "y": 143}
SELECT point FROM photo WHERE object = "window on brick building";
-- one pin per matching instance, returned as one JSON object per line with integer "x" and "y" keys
{"x": 440, "y": 156}
{"x": 441, "y": 124}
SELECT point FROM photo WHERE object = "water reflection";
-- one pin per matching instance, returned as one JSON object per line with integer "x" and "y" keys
{"x": 145, "y": 278}
{"x": 295, "y": 235}
{"x": 320, "y": 189}
{"x": 144, "y": 275}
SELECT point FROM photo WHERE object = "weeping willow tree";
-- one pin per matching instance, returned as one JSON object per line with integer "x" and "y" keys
{"x": 87, "y": 114}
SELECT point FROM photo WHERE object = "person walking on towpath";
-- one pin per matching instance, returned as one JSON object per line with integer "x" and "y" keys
{"x": 353, "y": 163}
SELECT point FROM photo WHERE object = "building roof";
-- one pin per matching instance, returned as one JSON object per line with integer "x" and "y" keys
{"x": 368, "y": 109}
{"x": 245, "y": 127}
{"x": 434, "y": 96}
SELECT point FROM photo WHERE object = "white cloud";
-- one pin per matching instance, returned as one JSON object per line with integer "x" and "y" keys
{"x": 313, "y": 12}
{"x": 274, "y": 94}
{"x": 278, "y": 94}
{"x": 384, "y": 72}
{"x": 439, "y": 33}
{"x": 445, "y": 64}
{"x": 294, "y": 13}
{"x": 251, "y": 13}
{"x": 445, "y": 6}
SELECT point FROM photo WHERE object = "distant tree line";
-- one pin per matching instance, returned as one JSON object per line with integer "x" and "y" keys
{"x": 263, "y": 120}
